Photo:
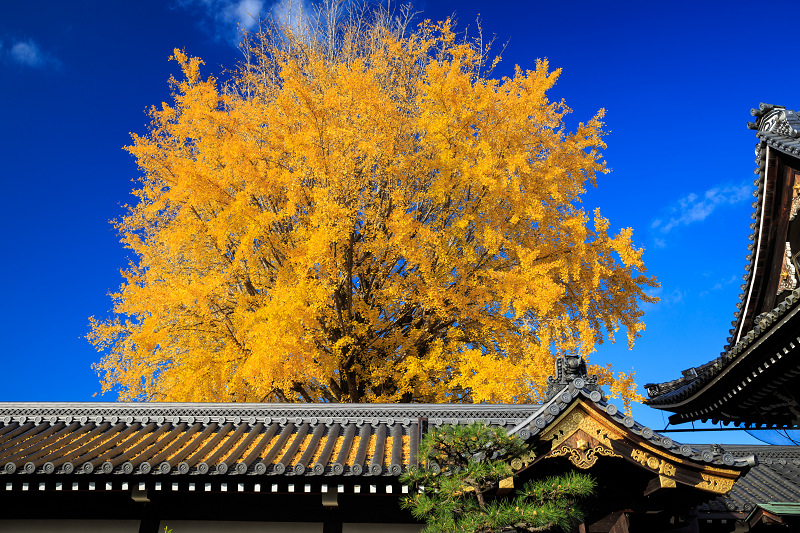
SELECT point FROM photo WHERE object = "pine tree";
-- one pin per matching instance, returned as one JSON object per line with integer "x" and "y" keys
{"x": 462, "y": 466}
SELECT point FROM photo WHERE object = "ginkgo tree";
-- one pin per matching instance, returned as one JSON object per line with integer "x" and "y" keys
{"x": 361, "y": 213}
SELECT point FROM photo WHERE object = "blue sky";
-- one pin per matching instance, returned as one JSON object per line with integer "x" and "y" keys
{"x": 677, "y": 80}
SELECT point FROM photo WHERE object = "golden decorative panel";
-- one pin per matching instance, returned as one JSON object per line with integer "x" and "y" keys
{"x": 583, "y": 458}
{"x": 583, "y": 433}
{"x": 720, "y": 485}
{"x": 518, "y": 463}
{"x": 654, "y": 463}
{"x": 666, "y": 482}
{"x": 579, "y": 419}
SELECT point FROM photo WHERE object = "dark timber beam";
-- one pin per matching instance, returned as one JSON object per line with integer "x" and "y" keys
{"x": 658, "y": 483}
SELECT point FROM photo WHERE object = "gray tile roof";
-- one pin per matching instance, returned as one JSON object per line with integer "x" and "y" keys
{"x": 775, "y": 478}
{"x": 257, "y": 439}
{"x": 269, "y": 439}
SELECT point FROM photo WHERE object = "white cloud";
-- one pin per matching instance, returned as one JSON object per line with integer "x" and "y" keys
{"x": 242, "y": 14}
{"x": 719, "y": 285}
{"x": 673, "y": 298}
{"x": 226, "y": 18}
{"x": 665, "y": 299}
{"x": 694, "y": 208}
{"x": 28, "y": 54}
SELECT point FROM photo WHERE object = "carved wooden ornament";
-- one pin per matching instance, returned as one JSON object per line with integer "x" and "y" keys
{"x": 583, "y": 433}
{"x": 581, "y": 438}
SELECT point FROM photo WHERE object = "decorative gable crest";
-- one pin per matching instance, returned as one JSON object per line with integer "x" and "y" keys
{"x": 775, "y": 119}
{"x": 585, "y": 431}
{"x": 569, "y": 368}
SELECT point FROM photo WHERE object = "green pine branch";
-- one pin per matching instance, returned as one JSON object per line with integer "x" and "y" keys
{"x": 462, "y": 467}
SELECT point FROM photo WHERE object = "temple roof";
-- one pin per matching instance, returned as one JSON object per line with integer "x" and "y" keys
{"x": 69, "y": 452}
{"x": 758, "y": 360}
{"x": 774, "y": 478}
{"x": 274, "y": 439}
{"x": 259, "y": 439}
{"x": 540, "y": 421}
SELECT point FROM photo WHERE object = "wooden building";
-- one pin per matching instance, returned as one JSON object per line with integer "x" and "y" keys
{"x": 270, "y": 467}
{"x": 244, "y": 468}
{"x": 755, "y": 380}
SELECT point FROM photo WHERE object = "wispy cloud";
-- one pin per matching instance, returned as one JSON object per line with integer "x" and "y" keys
{"x": 27, "y": 53}
{"x": 665, "y": 298}
{"x": 242, "y": 13}
{"x": 696, "y": 208}
{"x": 719, "y": 285}
{"x": 226, "y": 18}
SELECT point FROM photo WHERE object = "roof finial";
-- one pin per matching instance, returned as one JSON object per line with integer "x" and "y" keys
{"x": 568, "y": 369}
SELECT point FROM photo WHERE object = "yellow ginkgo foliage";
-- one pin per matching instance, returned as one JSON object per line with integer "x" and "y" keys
{"x": 364, "y": 216}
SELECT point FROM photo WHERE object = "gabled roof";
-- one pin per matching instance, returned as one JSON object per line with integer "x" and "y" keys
{"x": 758, "y": 360}
{"x": 540, "y": 421}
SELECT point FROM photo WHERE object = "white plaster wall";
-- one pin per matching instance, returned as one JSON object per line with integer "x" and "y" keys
{"x": 69, "y": 526}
